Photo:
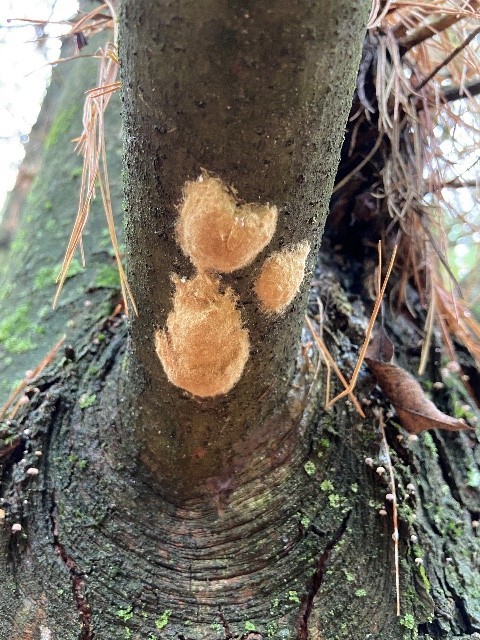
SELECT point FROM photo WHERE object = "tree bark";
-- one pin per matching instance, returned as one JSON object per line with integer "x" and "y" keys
{"x": 259, "y": 95}
{"x": 291, "y": 545}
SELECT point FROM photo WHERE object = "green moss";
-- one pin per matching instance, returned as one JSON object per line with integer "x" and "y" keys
{"x": 107, "y": 277}
{"x": 19, "y": 345}
{"x": 76, "y": 173}
{"x": 336, "y": 501}
{"x": 309, "y": 468}
{"x": 6, "y": 290}
{"x": 429, "y": 443}
{"x": 44, "y": 312}
{"x": 51, "y": 225}
{"x": 326, "y": 485}
{"x": 406, "y": 511}
{"x": 360, "y": 593}
{"x": 92, "y": 371}
{"x": 407, "y": 621}
{"x": 348, "y": 576}
{"x": 47, "y": 275}
{"x": 473, "y": 478}
{"x": 105, "y": 240}
{"x": 293, "y": 597}
{"x": 162, "y": 621}
{"x": 249, "y": 626}
{"x": 125, "y": 614}
{"x": 60, "y": 126}
{"x": 424, "y": 577}
{"x": 87, "y": 400}
{"x": 19, "y": 242}
{"x": 305, "y": 521}
{"x": 455, "y": 528}
{"x": 16, "y": 330}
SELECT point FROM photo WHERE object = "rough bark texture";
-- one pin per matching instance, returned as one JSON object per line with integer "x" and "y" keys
{"x": 302, "y": 553}
{"x": 257, "y": 93}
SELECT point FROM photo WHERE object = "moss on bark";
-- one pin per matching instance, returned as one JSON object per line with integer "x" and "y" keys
{"x": 29, "y": 327}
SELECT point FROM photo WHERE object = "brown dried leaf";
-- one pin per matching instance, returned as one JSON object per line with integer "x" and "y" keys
{"x": 416, "y": 412}
{"x": 380, "y": 348}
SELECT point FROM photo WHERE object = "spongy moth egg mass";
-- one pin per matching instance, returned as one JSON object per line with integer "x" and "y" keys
{"x": 204, "y": 347}
{"x": 217, "y": 232}
{"x": 281, "y": 276}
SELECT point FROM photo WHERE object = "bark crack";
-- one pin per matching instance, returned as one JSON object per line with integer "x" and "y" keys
{"x": 317, "y": 580}
{"x": 225, "y": 625}
{"x": 77, "y": 577}
{"x": 461, "y": 610}
{"x": 446, "y": 469}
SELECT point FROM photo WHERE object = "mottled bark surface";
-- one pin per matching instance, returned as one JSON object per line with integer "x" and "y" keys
{"x": 289, "y": 546}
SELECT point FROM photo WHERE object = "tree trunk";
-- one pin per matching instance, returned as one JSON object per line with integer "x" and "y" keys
{"x": 251, "y": 515}
{"x": 258, "y": 95}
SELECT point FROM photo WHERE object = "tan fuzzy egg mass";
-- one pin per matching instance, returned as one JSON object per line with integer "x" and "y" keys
{"x": 204, "y": 347}
{"x": 218, "y": 233}
{"x": 281, "y": 276}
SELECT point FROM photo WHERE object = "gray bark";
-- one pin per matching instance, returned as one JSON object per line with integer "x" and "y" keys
{"x": 258, "y": 94}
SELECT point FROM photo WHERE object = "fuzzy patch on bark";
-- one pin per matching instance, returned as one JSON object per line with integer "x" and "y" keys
{"x": 216, "y": 231}
{"x": 281, "y": 277}
{"x": 204, "y": 348}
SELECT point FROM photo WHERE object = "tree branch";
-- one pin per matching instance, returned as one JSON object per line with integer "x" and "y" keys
{"x": 459, "y": 184}
{"x": 468, "y": 90}
{"x": 448, "y": 59}
{"x": 427, "y": 31}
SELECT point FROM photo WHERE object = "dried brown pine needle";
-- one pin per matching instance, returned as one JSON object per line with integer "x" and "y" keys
{"x": 458, "y": 320}
{"x": 448, "y": 16}
{"x": 328, "y": 357}
{"x": 393, "y": 491}
{"x": 425, "y": 58}
{"x": 92, "y": 146}
{"x": 371, "y": 322}
{"x": 448, "y": 58}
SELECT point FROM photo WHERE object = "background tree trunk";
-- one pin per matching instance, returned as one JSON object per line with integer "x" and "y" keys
{"x": 291, "y": 547}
